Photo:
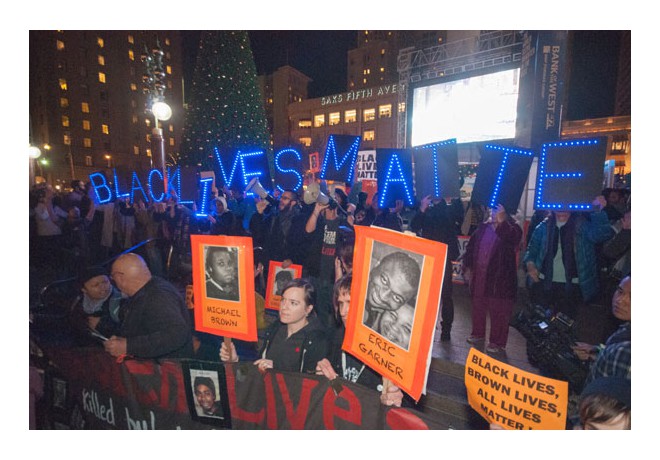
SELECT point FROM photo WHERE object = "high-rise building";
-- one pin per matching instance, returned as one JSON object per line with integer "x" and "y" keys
{"x": 283, "y": 87}
{"x": 87, "y": 104}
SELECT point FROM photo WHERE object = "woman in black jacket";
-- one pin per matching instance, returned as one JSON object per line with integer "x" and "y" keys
{"x": 297, "y": 340}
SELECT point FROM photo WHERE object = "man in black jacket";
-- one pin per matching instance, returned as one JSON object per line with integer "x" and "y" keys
{"x": 156, "y": 322}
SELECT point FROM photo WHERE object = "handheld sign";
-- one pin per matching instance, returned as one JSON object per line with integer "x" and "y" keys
{"x": 501, "y": 176}
{"x": 277, "y": 279}
{"x": 340, "y": 157}
{"x": 436, "y": 170}
{"x": 288, "y": 170}
{"x": 238, "y": 168}
{"x": 570, "y": 174}
{"x": 394, "y": 176}
{"x": 223, "y": 284}
{"x": 513, "y": 398}
{"x": 391, "y": 330}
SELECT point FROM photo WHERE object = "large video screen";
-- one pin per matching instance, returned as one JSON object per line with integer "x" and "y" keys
{"x": 474, "y": 109}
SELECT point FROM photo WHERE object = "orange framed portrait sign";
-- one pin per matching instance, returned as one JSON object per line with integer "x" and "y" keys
{"x": 277, "y": 279}
{"x": 223, "y": 285}
{"x": 395, "y": 294}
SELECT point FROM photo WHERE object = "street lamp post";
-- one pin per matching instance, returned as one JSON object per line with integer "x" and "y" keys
{"x": 154, "y": 87}
{"x": 33, "y": 153}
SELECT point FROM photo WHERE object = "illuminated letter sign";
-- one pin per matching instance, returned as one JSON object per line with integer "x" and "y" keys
{"x": 394, "y": 173}
{"x": 100, "y": 185}
{"x": 252, "y": 164}
{"x": 501, "y": 176}
{"x": 288, "y": 164}
{"x": 340, "y": 167}
{"x": 570, "y": 174}
{"x": 436, "y": 170}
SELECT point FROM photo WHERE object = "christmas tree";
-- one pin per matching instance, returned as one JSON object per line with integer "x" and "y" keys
{"x": 226, "y": 108}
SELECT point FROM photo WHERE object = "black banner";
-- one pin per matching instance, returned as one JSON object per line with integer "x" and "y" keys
{"x": 88, "y": 389}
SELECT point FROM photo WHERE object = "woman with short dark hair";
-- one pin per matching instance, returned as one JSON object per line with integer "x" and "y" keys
{"x": 297, "y": 340}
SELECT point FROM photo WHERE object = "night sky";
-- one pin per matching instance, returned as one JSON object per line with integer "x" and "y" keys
{"x": 322, "y": 56}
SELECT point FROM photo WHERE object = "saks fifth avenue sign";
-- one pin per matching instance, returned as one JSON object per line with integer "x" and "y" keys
{"x": 359, "y": 94}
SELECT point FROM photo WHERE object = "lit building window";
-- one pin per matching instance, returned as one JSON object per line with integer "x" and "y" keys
{"x": 84, "y": 107}
{"x": 87, "y": 142}
{"x": 88, "y": 160}
{"x": 135, "y": 119}
{"x": 171, "y": 141}
{"x": 60, "y": 45}
{"x": 64, "y": 102}
{"x": 305, "y": 124}
{"x": 170, "y": 128}
{"x": 382, "y": 52}
{"x": 148, "y": 138}
{"x": 385, "y": 111}
{"x": 168, "y": 69}
{"x": 66, "y": 139}
{"x": 369, "y": 135}
{"x": 306, "y": 141}
{"x": 131, "y": 40}
{"x": 319, "y": 120}
{"x": 100, "y": 42}
{"x": 101, "y": 77}
{"x": 402, "y": 106}
{"x": 101, "y": 59}
{"x": 65, "y": 121}
{"x": 63, "y": 85}
{"x": 133, "y": 87}
{"x": 131, "y": 55}
{"x": 86, "y": 125}
{"x": 334, "y": 118}
{"x": 167, "y": 41}
{"x": 382, "y": 69}
{"x": 136, "y": 150}
{"x": 350, "y": 116}
{"x": 148, "y": 152}
{"x": 105, "y": 129}
{"x": 369, "y": 114}
{"x": 147, "y": 122}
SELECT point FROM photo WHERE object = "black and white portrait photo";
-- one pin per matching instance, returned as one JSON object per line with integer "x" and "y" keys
{"x": 221, "y": 266}
{"x": 206, "y": 392}
{"x": 282, "y": 277}
{"x": 207, "y": 399}
{"x": 391, "y": 296}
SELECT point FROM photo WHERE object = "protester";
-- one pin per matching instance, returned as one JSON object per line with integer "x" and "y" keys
{"x": 489, "y": 265}
{"x": 561, "y": 258}
{"x": 156, "y": 323}
{"x": 605, "y": 404}
{"x": 613, "y": 358}
{"x": 387, "y": 217}
{"x": 340, "y": 363}
{"x": 297, "y": 340}
{"x": 438, "y": 222}
{"x": 323, "y": 236}
{"x": 98, "y": 308}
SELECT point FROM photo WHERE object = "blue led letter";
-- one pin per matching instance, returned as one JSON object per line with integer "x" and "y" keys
{"x": 395, "y": 175}
{"x": 150, "y": 185}
{"x": 285, "y": 171}
{"x": 345, "y": 163}
{"x": 117, "y": 194}
{"x": 99, "y": 183}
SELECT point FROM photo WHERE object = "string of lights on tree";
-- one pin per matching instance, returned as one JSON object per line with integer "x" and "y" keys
{"x": 226, "y": 109}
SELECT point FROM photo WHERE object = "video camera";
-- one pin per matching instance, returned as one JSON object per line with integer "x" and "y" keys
{"x": 549, "y": 340}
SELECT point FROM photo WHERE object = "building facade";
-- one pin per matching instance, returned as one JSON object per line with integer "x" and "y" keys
{"x": 87, "y": 104}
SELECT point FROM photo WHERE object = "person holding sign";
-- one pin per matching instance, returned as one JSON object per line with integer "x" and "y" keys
{"x": 295, "y": 342}
{"x": 341, "y": 363}
{"x": 489, "y": 265}
{"x": 561, "y": 258}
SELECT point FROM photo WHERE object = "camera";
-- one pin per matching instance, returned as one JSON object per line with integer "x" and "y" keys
{"x": 549, "y": 341}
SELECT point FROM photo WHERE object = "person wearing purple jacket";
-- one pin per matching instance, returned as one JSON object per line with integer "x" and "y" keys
{"x": 490, "y": 266}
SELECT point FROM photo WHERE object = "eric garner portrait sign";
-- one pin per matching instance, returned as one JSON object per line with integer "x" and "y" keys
{"x": 397, "y": 279}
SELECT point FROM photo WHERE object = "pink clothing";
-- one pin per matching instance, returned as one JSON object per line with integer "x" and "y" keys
{"x": 500, "y": 313}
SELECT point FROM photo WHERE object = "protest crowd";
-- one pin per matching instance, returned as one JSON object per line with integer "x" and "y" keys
{"x": 130, "y": 263}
